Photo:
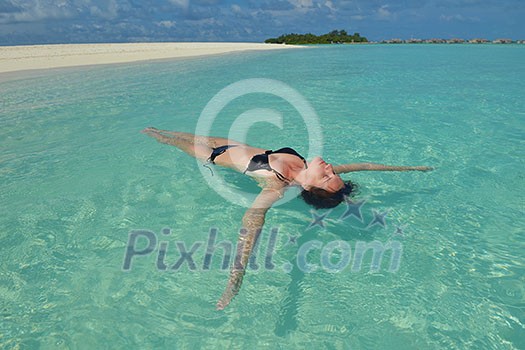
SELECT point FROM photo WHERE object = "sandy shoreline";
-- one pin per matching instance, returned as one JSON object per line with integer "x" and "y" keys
{"x": 23, "y": 58}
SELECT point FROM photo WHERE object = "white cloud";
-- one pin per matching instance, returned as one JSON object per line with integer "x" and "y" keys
{"x": 301, "y": 3}
{"x": 383, "y": 12}
{"x": 458, "y": 18}
{"x": 34, "y": 11}
{"x": 184, "y": 4}
{"x": 110, "y": 12}
{"x": 300, "y": 7}
{"x": 236, "y": 8}
{"x": 330, "y": 5}
{"x": 451, "y": 18}
{"x": 204, "y": 22}
{"x": 166, "y": 24}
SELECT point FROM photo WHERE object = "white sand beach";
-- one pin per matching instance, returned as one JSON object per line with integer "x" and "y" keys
{"x": 22, "y": 58}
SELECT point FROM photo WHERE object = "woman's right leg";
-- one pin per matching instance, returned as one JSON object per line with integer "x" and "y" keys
{"x": 186, "y": 144}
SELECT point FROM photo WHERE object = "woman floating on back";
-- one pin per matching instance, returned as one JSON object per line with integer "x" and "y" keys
{"x": 322, "y": 187}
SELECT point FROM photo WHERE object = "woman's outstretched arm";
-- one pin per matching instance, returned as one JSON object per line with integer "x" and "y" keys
{"x": 252, "y": 222}
{"x": 346, "y": 168}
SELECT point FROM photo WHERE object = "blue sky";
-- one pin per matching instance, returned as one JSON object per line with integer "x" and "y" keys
{"x": 77, "y": 21}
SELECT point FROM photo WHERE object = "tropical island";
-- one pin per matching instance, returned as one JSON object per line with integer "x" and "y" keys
{"x": 334, "y": 37}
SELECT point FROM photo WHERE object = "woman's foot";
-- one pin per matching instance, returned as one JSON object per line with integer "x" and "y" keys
{"x": 150, "y": 131}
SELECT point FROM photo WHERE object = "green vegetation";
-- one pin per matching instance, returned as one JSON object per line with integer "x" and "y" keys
{"x": 334, "y": 37}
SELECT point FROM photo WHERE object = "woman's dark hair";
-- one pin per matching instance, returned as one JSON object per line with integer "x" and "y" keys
{"x": 321, "y": 199}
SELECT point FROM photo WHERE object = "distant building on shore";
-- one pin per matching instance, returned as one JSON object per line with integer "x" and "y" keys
{"x": 451, "y": 41}
{"x": 393, "y": 41}
{"x": 455, "y": 41}
{"x": 435, "y": 41}
{"x": 478, "y": 41}
{"x": 502, "y": 41}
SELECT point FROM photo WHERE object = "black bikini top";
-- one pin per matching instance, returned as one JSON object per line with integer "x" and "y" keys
{"x": 261, "y": 162}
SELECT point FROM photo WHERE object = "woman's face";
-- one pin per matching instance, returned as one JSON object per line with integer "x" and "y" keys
{"x": 321, "y": 175}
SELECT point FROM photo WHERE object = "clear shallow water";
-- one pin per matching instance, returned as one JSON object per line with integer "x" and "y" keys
{"x": 77, "y": 177}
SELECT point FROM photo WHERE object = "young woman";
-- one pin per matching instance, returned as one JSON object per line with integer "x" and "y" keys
{"x": 321, "y": 185}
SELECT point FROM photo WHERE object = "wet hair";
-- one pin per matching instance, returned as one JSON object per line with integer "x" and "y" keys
{"x": 321, "y": 199}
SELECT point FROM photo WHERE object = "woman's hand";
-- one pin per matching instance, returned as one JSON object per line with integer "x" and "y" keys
{"x": 423, "y": 168}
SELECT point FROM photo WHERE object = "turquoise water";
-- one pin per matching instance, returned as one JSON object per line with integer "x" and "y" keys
{"x": 77, "y": 177}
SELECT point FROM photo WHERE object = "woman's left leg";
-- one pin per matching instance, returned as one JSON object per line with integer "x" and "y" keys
{"x": 196, "y": 146}
{"x": 210, "y": 141}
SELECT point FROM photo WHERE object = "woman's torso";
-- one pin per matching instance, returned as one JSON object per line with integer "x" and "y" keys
{"x": 239, "y": 158}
